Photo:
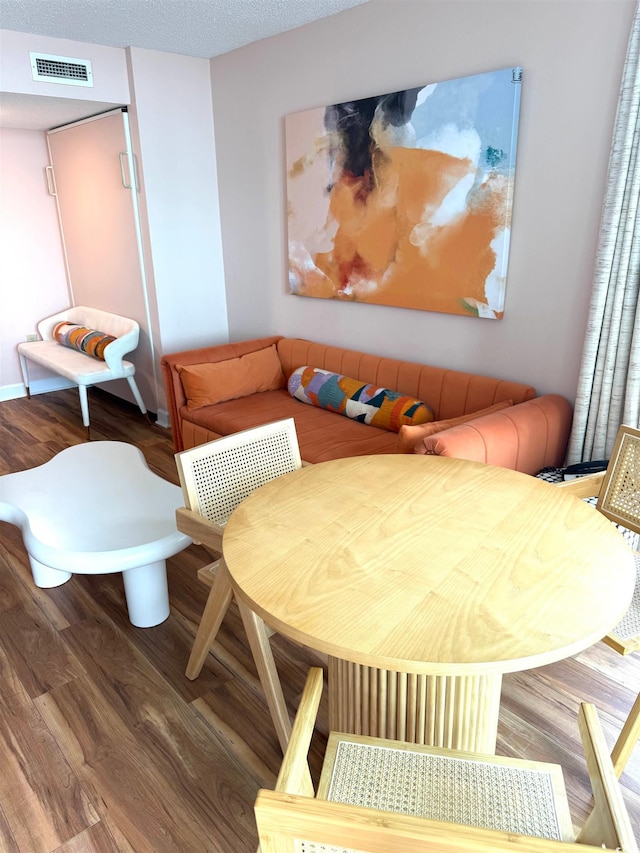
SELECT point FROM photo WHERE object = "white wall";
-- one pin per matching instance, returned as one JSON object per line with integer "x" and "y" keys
{"x": 173, "y": 137}
{"x": 108, "y": 68}
{"x": 172, "y": 130}
{"x": 572, "y": 54}
{"x": 172, "y": 122}
{"x": 33, "y": 282}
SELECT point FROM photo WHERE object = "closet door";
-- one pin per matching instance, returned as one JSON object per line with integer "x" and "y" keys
{"x": 95, "y": 184}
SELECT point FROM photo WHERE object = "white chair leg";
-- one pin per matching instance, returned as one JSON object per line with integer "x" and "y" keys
{"x": 25, "y": 373}
{"x": 84, "y": 405}
{"x": 45, "y": 577}
{"x": 136, "y": 393}
{"x": 147, "y": 594}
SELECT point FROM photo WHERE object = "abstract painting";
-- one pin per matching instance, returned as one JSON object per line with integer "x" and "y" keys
{"x": 405, "y": 199}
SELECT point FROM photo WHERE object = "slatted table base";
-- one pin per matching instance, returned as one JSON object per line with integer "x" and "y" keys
{"x": 454, "y": 712}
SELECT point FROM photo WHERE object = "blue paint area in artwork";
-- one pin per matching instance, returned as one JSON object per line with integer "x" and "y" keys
{"x": 487, "y": 103}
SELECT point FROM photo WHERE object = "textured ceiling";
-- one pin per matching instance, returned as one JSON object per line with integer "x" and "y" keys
{"x": 203, "y": 28}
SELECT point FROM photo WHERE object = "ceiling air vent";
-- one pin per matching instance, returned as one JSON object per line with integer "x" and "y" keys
{"x": 61, "y": 69}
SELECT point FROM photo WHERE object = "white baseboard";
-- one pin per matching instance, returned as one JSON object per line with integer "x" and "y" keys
{"x": 12, "y": 392}
{"x": 39, "y": 386}
{"x": 162, "y": 418}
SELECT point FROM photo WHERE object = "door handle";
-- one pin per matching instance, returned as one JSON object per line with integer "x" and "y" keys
{"x": 123, "y": 176}
{"x": 51, "y": 180}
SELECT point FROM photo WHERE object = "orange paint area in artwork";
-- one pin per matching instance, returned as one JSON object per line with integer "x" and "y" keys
{"x": 386, "y": 249}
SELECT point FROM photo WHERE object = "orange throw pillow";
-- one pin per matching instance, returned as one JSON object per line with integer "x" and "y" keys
{"x": 214, "y": 382}
{"x": 410, "y": 435}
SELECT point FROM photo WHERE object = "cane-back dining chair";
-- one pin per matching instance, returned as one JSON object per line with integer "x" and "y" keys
{"x": 380, "y": 796}
{"x": 215, "y": 477}
{"x": 618, "y": 498}
{"x": 616, "y": 494}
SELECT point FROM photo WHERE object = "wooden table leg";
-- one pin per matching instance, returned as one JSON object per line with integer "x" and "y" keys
{"x": 258, "y": 636}
{"x": 214, "y": 610}
{"x": 455, "y": 712}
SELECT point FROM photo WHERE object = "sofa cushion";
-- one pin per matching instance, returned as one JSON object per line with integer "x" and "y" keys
{"x": 89, "y": 341}
{"x": 214, "y": 382}
{"x": 322, "y": 435}
{"x": 409, "y": 435}
{"x": 359, "y": 401}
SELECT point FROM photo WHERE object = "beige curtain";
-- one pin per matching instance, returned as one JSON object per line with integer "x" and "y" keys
{"x": 609, "y": 385}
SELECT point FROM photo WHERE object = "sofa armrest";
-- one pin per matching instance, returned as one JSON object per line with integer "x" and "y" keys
{"x": 176, "y": 397}
{"x": 525, "y": 437}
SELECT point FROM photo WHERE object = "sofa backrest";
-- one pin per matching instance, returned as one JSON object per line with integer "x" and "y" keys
{"x": 176, "y": 397}
{"x": 449, "y": 392}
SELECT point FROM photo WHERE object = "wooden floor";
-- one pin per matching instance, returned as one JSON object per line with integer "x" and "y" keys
{"x": 106, "y": 746}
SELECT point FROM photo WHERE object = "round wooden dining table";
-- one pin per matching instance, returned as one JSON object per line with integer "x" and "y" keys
{"x": 425, "y": 579}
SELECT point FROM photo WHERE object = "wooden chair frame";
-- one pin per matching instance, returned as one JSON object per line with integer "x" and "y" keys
{"x": 609, "y": 487}
{"x": 627, "y": 739}
{"x": 292, "y": 812}
{"x": 204, "y": 516}
{"x": 622, "y": 479}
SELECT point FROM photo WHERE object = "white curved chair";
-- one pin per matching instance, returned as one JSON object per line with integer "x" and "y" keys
{"x": 77, "y": 367}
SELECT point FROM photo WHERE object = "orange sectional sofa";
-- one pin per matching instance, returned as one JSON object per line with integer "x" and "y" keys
{"x": 529, "y": 434}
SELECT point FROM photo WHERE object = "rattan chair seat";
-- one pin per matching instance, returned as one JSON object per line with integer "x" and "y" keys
{"x": 438, "y": 787}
